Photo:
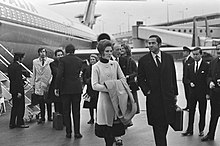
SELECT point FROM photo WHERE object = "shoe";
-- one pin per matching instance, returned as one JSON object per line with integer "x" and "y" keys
{"x": 207, "y": 138}
{"x": 12, "y": 126}
{"x": 78, "y": 135}
{"x": 23, "y": 126}
{"x": 187, "y": 133}
{"x": 119, "y": 142}
{"x": 40, "y": 121}
{"x": 68, "y": 135}
{"x": 201, "y": 133}
{"x": 90, "y": 121}
{"x": 50, "y": 119}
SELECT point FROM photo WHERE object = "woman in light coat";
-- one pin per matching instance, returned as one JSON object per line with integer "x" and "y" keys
{"x": 104, "y": 70}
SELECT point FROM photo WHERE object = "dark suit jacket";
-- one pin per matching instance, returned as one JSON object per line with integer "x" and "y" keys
{"x": 68, "y": 75}
{"x": 148, "y": 81}
{"x": 214, "y": 75}
{"x": 186, "y": 64}
{"x": 15, "y": 77}
{"x": 199, "y": 79}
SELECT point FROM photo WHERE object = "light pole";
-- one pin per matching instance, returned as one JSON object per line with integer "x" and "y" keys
{"x": 129, "y": 15}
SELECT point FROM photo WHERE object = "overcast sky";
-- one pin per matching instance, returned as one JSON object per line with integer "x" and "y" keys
{"x": 117, "y": 16}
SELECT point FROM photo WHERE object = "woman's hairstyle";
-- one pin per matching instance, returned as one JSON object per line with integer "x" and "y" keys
{"x": 58, "y": 50}
{"x": 127, "y": 49}
{"x": 18, "y": 56}
{"x": 94, "y": 56}
{"x": 102, "y": 45}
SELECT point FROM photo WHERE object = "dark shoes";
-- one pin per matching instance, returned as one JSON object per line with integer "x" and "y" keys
{"x": 187, "y": 133}
{"x": 12, "y": 126}
{"x": 201, "y": 133}
{"x": 207, "y": 138}
{"x": 41, "y": 121}
{"x": 23, "y": 126}
{"x": 78, "y": 135}
{"x": 119, "y": 142}
{"x": 50, "y": 119}
{"x": 68, "y": 135}
{"x": 90, "y": 121}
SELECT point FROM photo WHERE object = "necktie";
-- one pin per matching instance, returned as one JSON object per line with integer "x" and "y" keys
{"x": 43, "y": 60}
{"x": 197, "y": 67}
{"x": 157, "y": 60}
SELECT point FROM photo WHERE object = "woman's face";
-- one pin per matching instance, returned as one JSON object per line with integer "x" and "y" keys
{"x": 92, "y": 60}
{"x": 107, "y": 53}
{"x": 123, "y": 51}
{"x": 59, "y": 54}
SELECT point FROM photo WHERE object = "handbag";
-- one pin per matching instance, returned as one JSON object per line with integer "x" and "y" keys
{"x": 34, "y": 99}
{"x": 177, "y": 125}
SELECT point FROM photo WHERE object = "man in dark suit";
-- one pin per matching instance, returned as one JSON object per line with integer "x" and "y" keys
{"x": 196, "y": 77}
{"x": 214, "y": 85}
{"x": 68, "y": 76}
{"x": 17, "y": 92}
{"x": 157, "y": 79}
{"x": 186, "y": 62}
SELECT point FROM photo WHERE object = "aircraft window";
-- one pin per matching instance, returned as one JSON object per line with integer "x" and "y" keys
{"x": 184, "y": 30}
{"x": 190, "y": 31}
{"x": 174, "y": 30}
{"x": 168, "y": 29}
{"x": 179, "y": 30}
{"x": 200, "y": 30}
{"x": 211, "y": 31}
{"x": 2, "y": 11}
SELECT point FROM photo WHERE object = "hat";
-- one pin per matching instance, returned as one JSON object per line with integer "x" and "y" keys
{"x": 19, "y": 54}
{"x": 186, "y": 49}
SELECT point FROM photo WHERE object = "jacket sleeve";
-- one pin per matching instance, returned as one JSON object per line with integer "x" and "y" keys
{"x": 174, "y": 77}
{"x": 142, "y": 80}
{"x": 34, "y": 74}
{"x": 95, "y": 81}
{"x": 59, "y": 75}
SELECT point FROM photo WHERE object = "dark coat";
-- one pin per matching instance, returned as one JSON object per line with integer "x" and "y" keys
{"x": 186, "y": 64}
{"x": 199, "y": 79}
{"x": 54, "y": 68}
{"x": 214, "y": 75}
{"x": 92, "y": 93}
{"x": 15, "y": 77}
{"x": 68, "y": 75}
{"x": 161, "y": 102}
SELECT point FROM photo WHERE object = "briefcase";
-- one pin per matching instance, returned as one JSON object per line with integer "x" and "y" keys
{"x": 177, "y": 125}
{"x": 57, "y": 121}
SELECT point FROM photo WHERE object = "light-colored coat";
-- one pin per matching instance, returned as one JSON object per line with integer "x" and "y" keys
{"x": 102, "y": 72}
{"x": 122, "y": 100}
{"x": 41, "y": 75}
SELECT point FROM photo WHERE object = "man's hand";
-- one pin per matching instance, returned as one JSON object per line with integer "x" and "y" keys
{"x": 56, "y": 92}
{"x": 207, "y": 96}
{"x": 211, "y": 85}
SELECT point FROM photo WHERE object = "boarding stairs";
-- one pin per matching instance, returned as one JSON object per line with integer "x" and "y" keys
{"x": 30, "y": 111}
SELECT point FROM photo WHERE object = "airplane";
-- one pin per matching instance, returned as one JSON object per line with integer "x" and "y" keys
{"x": 25, "y": 27}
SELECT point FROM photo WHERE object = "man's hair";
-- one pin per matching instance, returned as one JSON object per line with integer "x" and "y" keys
{"x": 70, "y": 48}
{"x": 41, "y": 49}
{"x": 58, "y": 50}
{"x": 18, "y": 56}
{"x": 158, "y": 39}
{"x": 102, "y": 45}
{"x": 198, "y": 48}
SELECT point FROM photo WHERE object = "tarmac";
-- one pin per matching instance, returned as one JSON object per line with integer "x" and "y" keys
{"x": 140, "y": 134}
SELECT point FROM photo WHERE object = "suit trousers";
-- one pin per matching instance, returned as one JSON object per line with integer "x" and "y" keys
{"x": 42, "y": 108}
{"x": 160, "y": 132}
{"x": 214, "y": 118}
{"x": 71, "y": 101}
{"x": 186, "y": 89}
{"x": 17, "y": 111}
{"x": 202, "y": 112}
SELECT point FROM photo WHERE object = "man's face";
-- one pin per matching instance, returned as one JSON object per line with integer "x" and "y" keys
{"x": 185, "y": 53}
{"x": 117, "y": 51}
{"x": 153, "y": 45}
{"x": 43, "y": 53}
{"x": 196, "y": 55}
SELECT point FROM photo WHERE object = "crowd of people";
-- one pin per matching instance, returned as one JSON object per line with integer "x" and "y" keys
{"x": 61, "y": 81}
